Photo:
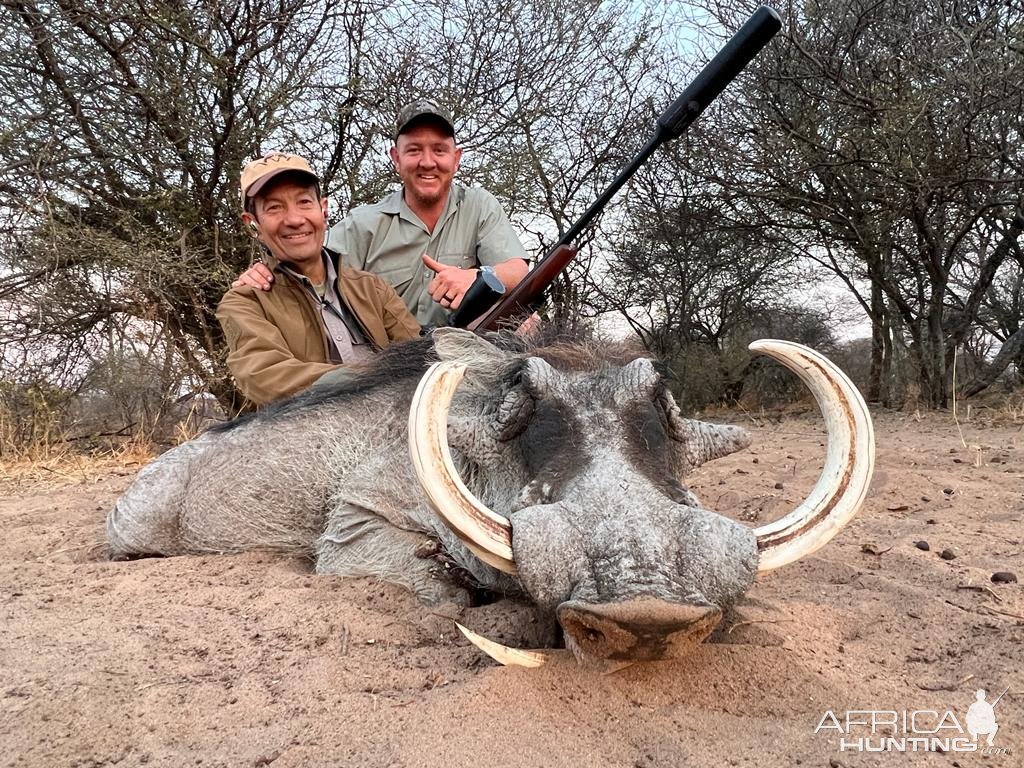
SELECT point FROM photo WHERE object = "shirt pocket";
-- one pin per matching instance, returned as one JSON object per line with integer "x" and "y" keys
{"x": 398, "y": 276}
{"x": 461, "y": 259}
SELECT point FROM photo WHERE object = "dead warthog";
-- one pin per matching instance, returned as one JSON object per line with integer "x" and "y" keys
{"x": 553, "y": 471}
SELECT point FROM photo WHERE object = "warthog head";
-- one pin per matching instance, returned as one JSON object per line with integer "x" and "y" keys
{"x": 603, "y": 533}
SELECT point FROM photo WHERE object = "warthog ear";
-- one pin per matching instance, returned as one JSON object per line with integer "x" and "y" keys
{"x": 458, "y": 345}
{"x": 637, "y": 381}
{"x": 671, "y": 417}
{"x": 702, "y": 441}
{"x": 531, "y": 382}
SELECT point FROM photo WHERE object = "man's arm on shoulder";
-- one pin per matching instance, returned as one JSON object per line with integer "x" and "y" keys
{"x": 263, "y": 366}
{"x": 257, "y": 276}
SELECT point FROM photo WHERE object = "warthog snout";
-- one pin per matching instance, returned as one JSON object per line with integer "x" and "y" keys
{"x": 637, "y": 630}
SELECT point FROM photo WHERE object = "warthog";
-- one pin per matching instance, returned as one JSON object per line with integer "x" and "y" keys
{"x": 554, "y": 472}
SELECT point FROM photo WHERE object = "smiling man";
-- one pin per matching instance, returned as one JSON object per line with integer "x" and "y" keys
{"x": 428, "y": 239}
{"x": 318, "y": 314}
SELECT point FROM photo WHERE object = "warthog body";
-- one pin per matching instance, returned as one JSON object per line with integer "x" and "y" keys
{"x": 582, "y": 450}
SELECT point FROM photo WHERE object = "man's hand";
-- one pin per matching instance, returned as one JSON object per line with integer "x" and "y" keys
{"x": 257, "y": 276}
{"x": 449, "y": 284}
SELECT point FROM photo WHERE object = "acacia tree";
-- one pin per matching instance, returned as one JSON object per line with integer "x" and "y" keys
{"x": 883, "y": 139}
{"x": 684, "y": 270}
{"x": 1002, "y": 318}
{"x": 124, "y": 127}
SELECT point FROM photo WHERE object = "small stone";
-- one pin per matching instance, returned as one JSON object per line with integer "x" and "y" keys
{"x": 779, "y": 486}
{"x": 948, "y": 491}
{"x": 833, "y": 763}
{"x": 947, "y": 554}
{"x": 922, "y": 545}
{"x": 925, "y": 499}
{"x": 1004, "y": 577}
{"x": 931, "y": 521}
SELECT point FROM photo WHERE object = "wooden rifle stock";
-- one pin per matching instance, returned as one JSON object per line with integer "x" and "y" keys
{"x": 518, "y": 301}
{"x": 673, "y": 123}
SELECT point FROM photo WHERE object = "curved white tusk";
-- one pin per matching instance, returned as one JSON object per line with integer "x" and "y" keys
{"x": 510, "y": 657}
{"x": 849, "y": 459}
{"x": 488, "y": 535}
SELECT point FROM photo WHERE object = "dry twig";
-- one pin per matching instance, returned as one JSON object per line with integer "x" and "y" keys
{"x": 755, "y": 621}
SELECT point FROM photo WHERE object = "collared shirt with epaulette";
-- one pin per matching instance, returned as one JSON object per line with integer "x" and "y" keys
{"x": 346, "y": 341}
{"x": 389, "y": 240}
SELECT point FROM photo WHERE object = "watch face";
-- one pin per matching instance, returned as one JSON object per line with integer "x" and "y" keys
{"x": 491, "y": 280}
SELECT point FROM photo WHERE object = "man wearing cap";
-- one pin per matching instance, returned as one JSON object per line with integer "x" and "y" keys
{"x": 318, "y": 314}
{"x": 429, "y": 239}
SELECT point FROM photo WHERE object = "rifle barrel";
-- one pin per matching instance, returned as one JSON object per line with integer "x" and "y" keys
{"x": 680, "y": 114}
{"x": 673, "y": 122}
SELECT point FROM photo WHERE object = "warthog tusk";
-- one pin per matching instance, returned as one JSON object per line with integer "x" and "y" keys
{"x": 510, "y": 657}
{"x": 488, "y": 535}
{"x": 849, "y": 459}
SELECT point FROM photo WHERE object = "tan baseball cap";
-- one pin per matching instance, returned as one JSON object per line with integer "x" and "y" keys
{"x": 256, "y": 174}
{"x": 423, "y": 108}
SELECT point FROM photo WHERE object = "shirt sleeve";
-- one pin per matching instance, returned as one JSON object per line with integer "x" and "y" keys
{"x": 264, "y": 368}
{"x": 497, "y": 241}
{"x": 350, "y": 241}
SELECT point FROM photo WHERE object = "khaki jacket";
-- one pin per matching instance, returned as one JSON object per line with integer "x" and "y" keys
{"x": 277, "y": 344}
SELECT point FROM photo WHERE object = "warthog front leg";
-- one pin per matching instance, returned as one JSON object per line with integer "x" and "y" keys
{"x": 359, "y": 542}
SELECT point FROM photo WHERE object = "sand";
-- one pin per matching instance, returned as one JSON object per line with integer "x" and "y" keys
{"x": 253, "y": 661}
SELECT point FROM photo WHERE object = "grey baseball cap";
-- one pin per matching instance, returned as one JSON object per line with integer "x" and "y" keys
{"x": 415, "y": 111}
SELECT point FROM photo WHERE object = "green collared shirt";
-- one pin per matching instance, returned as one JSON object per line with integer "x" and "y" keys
{"x": 388, "y": 239}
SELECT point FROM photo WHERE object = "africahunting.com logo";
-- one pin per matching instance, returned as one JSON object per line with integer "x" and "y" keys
{"x": 917, "y": 730}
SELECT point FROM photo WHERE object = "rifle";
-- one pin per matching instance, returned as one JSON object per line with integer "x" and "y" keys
{"x": 673, "y": 123}
{"x": 1000, "y": 696}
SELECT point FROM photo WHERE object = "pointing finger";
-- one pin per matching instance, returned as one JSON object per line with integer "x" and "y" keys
{"x": 433, "y": 264}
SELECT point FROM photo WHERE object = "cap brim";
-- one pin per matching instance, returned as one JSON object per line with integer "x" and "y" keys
{"x": 253, "y": 189}
{"x": 427, "y": 117}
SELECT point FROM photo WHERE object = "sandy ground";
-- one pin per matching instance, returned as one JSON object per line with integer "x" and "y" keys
{"x": 254, "y": 661}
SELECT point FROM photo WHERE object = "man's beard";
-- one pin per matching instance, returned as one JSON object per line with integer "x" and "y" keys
{"x": 428, "y": 199}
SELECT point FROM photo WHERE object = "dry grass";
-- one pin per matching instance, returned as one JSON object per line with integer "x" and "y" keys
{"x": 999, "y": 409}
{"x": 65, "y": 466}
